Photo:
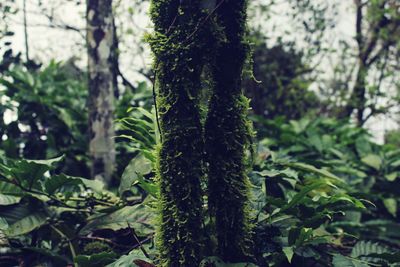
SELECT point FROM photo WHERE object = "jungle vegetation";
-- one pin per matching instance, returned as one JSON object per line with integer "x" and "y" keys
{"x": 214, "y": 133}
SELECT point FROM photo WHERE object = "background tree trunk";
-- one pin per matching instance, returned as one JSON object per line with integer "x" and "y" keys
{"x": 100, "y": 38}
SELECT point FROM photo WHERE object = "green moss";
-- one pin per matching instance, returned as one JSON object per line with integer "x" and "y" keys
{"x": 227, "y": 135}
{"x": 178, "y": 48}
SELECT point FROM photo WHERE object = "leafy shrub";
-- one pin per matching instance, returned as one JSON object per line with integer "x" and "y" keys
{"x": 343, "y": 188}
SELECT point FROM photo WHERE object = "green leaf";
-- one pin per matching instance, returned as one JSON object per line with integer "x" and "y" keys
{"x": 300, "y": 196}
{"x": 389, "y": 257}
{"x": 363, "y": 146}
{"x": 373, "y": 161}
{"x": 300, "y": 125}
{"x": 9, "y": 193}
{"x": 24, "y": 217}
{"x": 26, "y": 224}
{"x": 139, "y": 217}
{"x": 62, "y": 183}
{"x": 128, "y": 260}
{"x": 138, "y": 165}
{"x": 95, "y": 185}
{"x": 46, "y": 162}
{"x": 288, "y": 253}
{"x": 342, "y": 261}
{"x": 391, "y": 206}
{"x": 310, "y": 168}
{"x": 364, "y": 248}
{"x": 28, "y": 172}
{"x": 150, "y": 187}
{"x": 316, "y": 142}
{"x": 273, "y": 173}
{"x": 391, "y": 177}
{"x": 395, "y": 164}
{"x": 96, "y": 260}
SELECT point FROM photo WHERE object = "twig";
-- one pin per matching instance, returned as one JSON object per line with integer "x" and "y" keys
{"x": 71, "y": 247}
{"x": 138, "y": 241}
{"x": 202, "y": 22}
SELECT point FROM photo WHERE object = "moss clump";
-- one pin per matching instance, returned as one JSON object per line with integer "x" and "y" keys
{"x": 227, "y": 137}
{"x": 178, "y": 45}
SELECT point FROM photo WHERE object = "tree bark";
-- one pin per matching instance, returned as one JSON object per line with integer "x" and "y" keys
{"x": 100, "y": 36}
{"x": 178, "y": 46}
{"x": 227, "y": 134}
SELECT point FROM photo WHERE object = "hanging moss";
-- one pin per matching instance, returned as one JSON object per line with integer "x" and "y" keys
{"x": 178, "y": 47}
{"x": 227, "y": 137}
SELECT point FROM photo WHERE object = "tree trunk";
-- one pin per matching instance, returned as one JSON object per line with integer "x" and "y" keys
{"x": 357, "y": 98}
{"x": 227, "y": 134}
{"x": 178, "y": 46}
{"x": 100, "y": 33}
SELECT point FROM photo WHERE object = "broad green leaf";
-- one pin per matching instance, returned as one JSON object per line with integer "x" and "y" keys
{"x": 3, "y": 225}
{"x": 373, "y": 161}
{"x": 29, "y": 172}
{"x": 24, "y": 217}
{"x": 96, "y": 260}
{"x": 26, "y": 224}
{"x": 138, "y": 165}
{"x": 95, "y": 185}
{"x": 62, "y": 183}
{"x": 139, "y": 217}
{"x": 363, "y": 146}
{"x": 9, "y": 193}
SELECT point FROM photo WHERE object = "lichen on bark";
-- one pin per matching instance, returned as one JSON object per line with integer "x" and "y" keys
{"x": 178, "y": 46}
{"x": 227, "y": 136}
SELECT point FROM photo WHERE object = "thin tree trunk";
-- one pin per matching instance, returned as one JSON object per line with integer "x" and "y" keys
{"x": 358, "y": 98}
{"x": 26, "y": 32}
{"x": 227, "y": 134}
{"x": 100, "y": 37}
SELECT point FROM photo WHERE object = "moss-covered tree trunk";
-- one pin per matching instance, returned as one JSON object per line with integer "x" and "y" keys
{"x": 101, "y": 90}
{"x": 227, "y": 135}
{"x": 178, "y": 48}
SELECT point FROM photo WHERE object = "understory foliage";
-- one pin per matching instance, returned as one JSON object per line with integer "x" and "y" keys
{"x": 193, "y": 186}
{"x": 327, "y": 196}
{"x": 323, "y": 194}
